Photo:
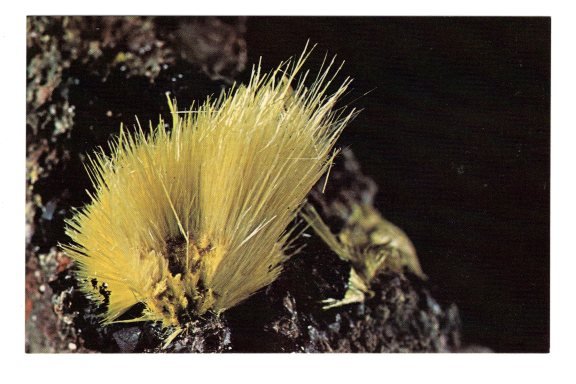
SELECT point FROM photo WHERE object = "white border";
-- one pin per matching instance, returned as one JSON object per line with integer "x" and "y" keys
{"x": 288, "y": 368}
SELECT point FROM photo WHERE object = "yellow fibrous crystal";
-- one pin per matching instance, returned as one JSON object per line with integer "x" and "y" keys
{"x": 195, "y": 218}
{"x": 371, "y": 244}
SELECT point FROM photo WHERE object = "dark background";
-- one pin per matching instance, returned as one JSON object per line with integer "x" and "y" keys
{"x": 456, "y": 133}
